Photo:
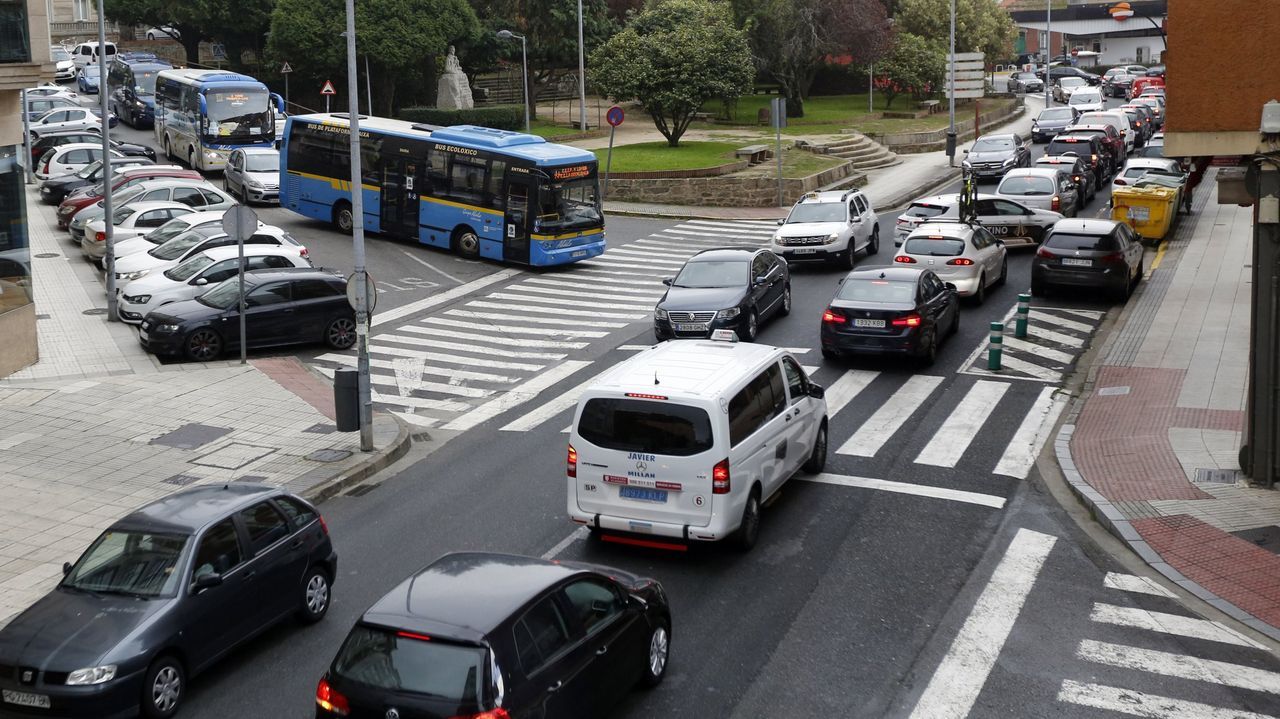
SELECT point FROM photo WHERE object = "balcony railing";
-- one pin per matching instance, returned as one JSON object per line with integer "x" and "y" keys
{"x": 15, "y": 32}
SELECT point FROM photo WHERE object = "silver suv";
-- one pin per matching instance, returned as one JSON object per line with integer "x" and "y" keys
{"x": 828, "y": 227}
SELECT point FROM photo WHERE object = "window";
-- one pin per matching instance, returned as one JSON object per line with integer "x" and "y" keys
{"x": 77, "y": 157}
{"x": 652, "y": 426}
{"x": 593, "y": 603}
{"x": 314, "y": 290}
{"x": 757, "y": 403}
{"x": 1073, "y": 241}
{"x": 797, "y": 383}
{"x": 262, "y": 262}
{"x": 540, "y": 634}
{"x": 15, "y": 33}
{"x": 759, "y": 267}
{"x": 298, "y": 514}
{"x": 155, "y": 196}
{"x": 154, "y": 218}
{"x": 1004, "y": 207}
{"x": 265, "y": 525}
{"x": 219, "y": 551}
{"x": 497, "y": 173}
{"x": 273, "y": 294}
{"x": 219, "y": 272}
{"x": 404, "y": 662}
{"x": 467, "y": 180}
{"x": 318, "y": 151}
{"x": 862, "y": 204}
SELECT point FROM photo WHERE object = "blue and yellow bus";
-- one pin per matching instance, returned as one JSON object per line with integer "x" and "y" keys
{"x": 202, "y": 115}
{"x": 477, "y": 191}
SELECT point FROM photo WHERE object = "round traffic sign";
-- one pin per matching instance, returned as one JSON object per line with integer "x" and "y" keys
{"x": 239, "y": 221}
{"x": 614, "y": 116}
{"x": 370, "y": 292}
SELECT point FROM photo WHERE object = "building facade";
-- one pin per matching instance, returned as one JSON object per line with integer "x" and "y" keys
{"x": 24, "y": 62}
{"x": 1090, "y": 26}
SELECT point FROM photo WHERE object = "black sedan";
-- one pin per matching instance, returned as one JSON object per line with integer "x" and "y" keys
{"x": 890, "y": 311}
{"x": 160, "y": 596}
{"x": 1051, "y": 121}
{"x": 494, "y": 636}
{"x": 1088, "y": 255}
{"x": 1061, "y": 71}
{"x": 730, "y": 288}
{"x": 55, "y": 189}
{"x": 282, "y": 307}
{"x": 52, "y": 140}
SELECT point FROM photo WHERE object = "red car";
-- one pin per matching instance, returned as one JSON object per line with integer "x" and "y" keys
{"x": 1141, "y": 83}
{"x": 1112, "y": 139}
{"x": 129, "y": 177}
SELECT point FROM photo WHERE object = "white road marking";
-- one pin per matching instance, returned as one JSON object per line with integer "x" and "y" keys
{"x": 1136, "y": 584}
{"x": 602, "y": 273}
{"x": 955, "y": 435}
{"x": 654, "y": 287}
{"x": 1013, "y": 343}
{"x": 1140, "y": 704}
{"x": 549, "y": 408}
{"x": 1169, "y": 624}
{"x": 491, "y": 338}
{"x": 955, "y": 685}
{"x": 563, "y": 544}
{"x": 1181, "y": 666}
{"x": 1037, "y": 315}
{"x": 454, "y": 359}
{"x": 643, "y": 254}
{"x": 1021, "y": 453}
{"x": 449, "y": 373}
{"x": 506, "y": 327}
{"x": 1056, "y": 337}
{"x": 633, "y": 348}
{"x": 1087, "y": 314}
{"x": 558, "y": 311}
{"x": 809, "y": 369}
{"x": 460, "y": 347}
{"x": 430, "y": 266}
{"x": 517, "y": 319}
{"x": 887, "y": 420}
{"x": 417, "y": 420}
{"x": 661, "y": 244}
{"x": 631, "y": 303}
{"x": 517, "y": 395}
{"x": 380, "y": 381}
{"x": 1010, "y": 362}
{"x": 843, "y": 390}
{"x": 919, "y": 490}
{"x": 384, "y": 316}
{"x": 634, "y": 263}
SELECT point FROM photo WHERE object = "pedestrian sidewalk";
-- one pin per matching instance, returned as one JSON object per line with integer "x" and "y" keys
{"x": 98, "y": 426}
{"x": 1152, "y": 447}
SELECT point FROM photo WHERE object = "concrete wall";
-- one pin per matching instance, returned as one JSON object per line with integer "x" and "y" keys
{"x": 1116, "y": 50}
{"x": 726, "y": 191}
{"x": 18, "y": 328}
{"x": 916, "y": 142}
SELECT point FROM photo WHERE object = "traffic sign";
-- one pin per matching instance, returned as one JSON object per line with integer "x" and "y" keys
{"x": 370, "y": 292}
{"x": 219, "y": 51}
{"x": 328, "y": 88}
{"x": 614, "y": 116}
{"x": 240, "y": 221}
{"x": 968, "y": 57}
{"x": 286, "y": 69}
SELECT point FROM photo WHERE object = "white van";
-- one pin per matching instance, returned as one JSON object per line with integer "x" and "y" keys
{"x": 688, "y": 439}
{"x": 1114, "y": 118}
{"x": 87, "y": 53}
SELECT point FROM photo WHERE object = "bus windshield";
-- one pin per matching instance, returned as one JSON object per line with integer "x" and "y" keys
{"x": 145, "y": 81}
{"x": 239, "y": 114}
{"x": 570, "y": 205}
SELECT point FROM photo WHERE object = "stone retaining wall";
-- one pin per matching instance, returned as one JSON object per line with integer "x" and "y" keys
{"x": 676, "y": 174}
{"x": 932, "y": 141}
{"x": 726, "y": 191}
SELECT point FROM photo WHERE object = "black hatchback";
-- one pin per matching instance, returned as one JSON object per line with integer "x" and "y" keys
{"x": 160, "y": 596}
{"x": 730, "y": 288}
{"x": 282, "y": 307}
{"x": 1090, "y": 255}
{"x": 890, "y": 311}
{"x": 496, "y": 636}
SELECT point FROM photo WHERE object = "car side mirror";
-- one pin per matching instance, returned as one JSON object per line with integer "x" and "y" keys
{"x": 66, "y": 568}
{"x": 760, "y": 281}
{"x": 1000, "y": 242}
{"x": 200, "y": 281}
{"x": 207, "y": 581}
{"x": 965, "y": 151}
{"x": 951, "y": 286}
{"x": 780, "y": 222}
{"x": 816, "y": 391}
{"x": 668, "y": 280}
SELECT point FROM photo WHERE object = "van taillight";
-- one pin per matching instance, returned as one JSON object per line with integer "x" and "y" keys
{"x": 330, "y": 700}
{"x": 572, "y": 464}
{"x": 720, "y": 477}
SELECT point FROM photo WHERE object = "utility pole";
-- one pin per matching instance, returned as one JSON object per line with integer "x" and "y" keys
{"x": 28, "y": 161}
{"x": 359, "y": 277}
{"x": 1048, "y": 49}
{"x": 109, "y": 261}
{"x": 951, "y": 93}
{"x": 582, "y": 76}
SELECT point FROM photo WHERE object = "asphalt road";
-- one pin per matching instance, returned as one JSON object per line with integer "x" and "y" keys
{"x": 854, "y": 598}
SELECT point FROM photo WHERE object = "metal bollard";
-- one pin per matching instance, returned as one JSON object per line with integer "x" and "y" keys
{"x": 993, "y": 349}
{"x": 1020, "y": 321}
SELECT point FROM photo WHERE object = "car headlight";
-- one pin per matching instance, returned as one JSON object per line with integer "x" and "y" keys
{"x": 831, "y": 238}
{"x": 137, "y": 299}
{"x": 167, "y": 328}
{"x": 140, "y": 104}
{"x": 92, "y": 675}
{"x": 131, "y": 275}
{"x": 253, "y": 183}
{"x": 966, "y": 165}
{"x": 659, "y": 313}
{"x": 1009, "y": 161}
{"x": 729, "y": 313}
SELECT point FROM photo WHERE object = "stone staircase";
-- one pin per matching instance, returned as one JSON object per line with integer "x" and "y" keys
{"x": 862, "y": 151}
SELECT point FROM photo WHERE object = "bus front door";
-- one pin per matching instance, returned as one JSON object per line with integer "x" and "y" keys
{"x": 518, "y": 219}
{"x": 399, "y": 202}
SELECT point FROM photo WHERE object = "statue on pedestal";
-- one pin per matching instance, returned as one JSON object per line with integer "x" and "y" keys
{"x": 453, "y": 91}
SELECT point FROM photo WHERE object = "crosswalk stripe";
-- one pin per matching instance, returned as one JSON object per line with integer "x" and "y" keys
{"x": 1141, "y": 704}
{"x": 395, "y": 313}
{"x": 550, "y": 408}
{"x": 628, "y": 252}
{"x": 887, "y": 420}
{"x": 636, "y": 305}
{"x": 1056, "y": 337}
{"x": 951, "y": 440}
{"x": 843, "y": 390}
{"x": 517, "y": 319}
{"x": 516, "y": 396}
{"x": 735, "y": 223}
{"x": 664, "y": 245}
{"x": 809, "y": 369}
{"x": 446, "y": 372}
{"x": 1060, "y": 321}
{"x": 454, "y": 359}
{"x": 919, "y": 490}
{"x": 709, "y": 230}
{"x": 1030, "y": 436}
{"x": 1011, "y": 362}
{"x": 507, "y": 328}
{"x": 417, "y": 420}
{"x": 460, "y": 347}
{"x": 654, "y": 289}
{"x": 1136, "y": 584}
{"x": 642, "y": 259}
{"x": 568, "y": 312}
{"x": 594, "y": 297}
{"x": 1013, "y": 343}
{"x": 1169, "y": 624}
{"x": 492, "y": 338}
{"x": 1087, "y": 314}
{"x": 1180, "y": 666}
{"x": 629, "y": 265}
{"x": 390, "y": 381}
{"x": 631, "y": 276}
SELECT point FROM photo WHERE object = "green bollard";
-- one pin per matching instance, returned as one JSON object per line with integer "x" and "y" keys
{"x": 993, "y": 349}
{"x": 1024, "y": 310}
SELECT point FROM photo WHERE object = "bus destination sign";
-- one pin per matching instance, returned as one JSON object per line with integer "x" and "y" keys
{"x": 572, "y": 172}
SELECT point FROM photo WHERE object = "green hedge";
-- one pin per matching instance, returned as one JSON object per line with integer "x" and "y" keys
{"x": 501, "y": 117}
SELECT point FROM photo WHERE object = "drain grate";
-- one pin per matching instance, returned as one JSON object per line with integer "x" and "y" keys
{"x": 95, "y": 311}
{"x": 329, "y": 455}
{"x": 1217, "y": 476}
{"x": 42, "y": 316}
{"x": 181, "y": 480}
{"x": 47, "y": 255}
{"x": 255, "y": 478}
{"x": 321, "y": 429}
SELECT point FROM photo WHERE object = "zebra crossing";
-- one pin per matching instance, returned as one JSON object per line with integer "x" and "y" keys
{"x": 1056, "y": 338}
{"x": 479, "y": 357}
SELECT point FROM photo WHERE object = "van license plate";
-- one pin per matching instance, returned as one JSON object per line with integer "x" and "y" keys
{"x": 690, "y": 327}
{"x": 25, "y": 699}
{"x": 643, "y": 494}
{"x": 863, "y": 322}
{"x": 1073, "y": 262}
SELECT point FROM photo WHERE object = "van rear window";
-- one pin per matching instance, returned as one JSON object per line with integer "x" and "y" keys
{"x": 653, "y": 427}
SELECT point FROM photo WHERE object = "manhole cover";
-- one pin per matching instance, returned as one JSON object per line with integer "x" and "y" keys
{"x": 190, "y": 436}
{"x": 1217, "y": 476}
{"x": 321, "y": 429}
{"x": 255, "y": 478}
{"x": 46, "y": 255}
{"x": 1113, "y": 391}
{"x": 329, "y": 455}
{"x": 96, "y": 311}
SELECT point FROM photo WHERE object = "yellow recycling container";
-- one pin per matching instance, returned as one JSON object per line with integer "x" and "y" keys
{"x": 1150, "y": 211}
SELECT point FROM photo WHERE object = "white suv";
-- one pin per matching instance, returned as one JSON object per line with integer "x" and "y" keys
{"x": 828, "y": 226}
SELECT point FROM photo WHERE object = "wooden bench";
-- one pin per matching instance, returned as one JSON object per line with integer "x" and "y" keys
{"x": 755, "y": 154}
{"x": 931, "y": 105}
{"x": 702, "y": 116}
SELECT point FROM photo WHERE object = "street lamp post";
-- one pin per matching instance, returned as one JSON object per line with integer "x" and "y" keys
{"x": 1048, "y": 49}
{"x": 359, "y": 277}
{"x": 582, "y": 76}
{"x": 109, "y": 262}
{"x": 524, "y": 69}
{"x": 951, "y": 92}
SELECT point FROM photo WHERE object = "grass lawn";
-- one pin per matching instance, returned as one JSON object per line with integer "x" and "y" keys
{"x": 795, "y": 164}
{"x": 655, "y": 156}
{"x": 550, "y": 130}
{"x": 830, "y": 114}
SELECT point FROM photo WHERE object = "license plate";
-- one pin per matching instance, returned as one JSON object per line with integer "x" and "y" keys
{"x": 805, "y": 250}
{"x": 25, "y": 699}
{"x": 1073, "y": 262}
{"x": 690, "y": 327}
{"x": 643, "y": 494}
{"x": 862, "y": 322}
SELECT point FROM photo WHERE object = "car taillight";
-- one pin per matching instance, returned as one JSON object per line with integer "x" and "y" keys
{"x": 911, "y": 320}
{"x": 903, "y": 222}
{"x": 47, "y": 164}
{"x": 1094, "y": 158}
{"x": 330, "y": 700}
{"x": 1113, "y": 257}
{"x": 720, "y": 477}
{"x": 99, "y": 237}
{"x": 304, "y": 253}
{"x": 1056, "y": 204}
{"x": 905, "y": 260}
{"x": 833, "y": 317}
{"x": 571, "y": 467}
{"x": 498, "y": 713}
{"x": 324, "y": 526}
{"x": 1120, "y": 181}
{"x": 1042, "y": 252}
{"x": 965, "y": 261}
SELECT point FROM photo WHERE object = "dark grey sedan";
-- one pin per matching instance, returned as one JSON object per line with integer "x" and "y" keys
{"x": 730, "y": 288}
{"x": 1051, "y": 121}
{"x": 994, "y": 154}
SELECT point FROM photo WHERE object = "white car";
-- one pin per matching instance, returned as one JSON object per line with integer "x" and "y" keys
{"x": 132, "y": 220}
{"x": 1114, "y": 118}
{"x": 70, "y": 158}
{"x": 194, "y": 193}
{"x": 967, "y": 256}
{"x": 253, "y": 174}
{"x": 164, "y": 32}
{"x": 50, "y": 89}
{"x": 1012, "y": 222}
{"x": 64, "y": 67}
{"x": 193, "y": 242}
{"x": 828, "y": 226}
{"x": 66, "y": 119}
{"x": 1087, "y": 99}
{"x": 1139, "y": 166}
{"x": 193, "y": 277}
{"x": 170, "y": 230}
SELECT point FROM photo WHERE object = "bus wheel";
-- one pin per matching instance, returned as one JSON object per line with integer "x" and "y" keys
{"x": 168, "y": 153}
{"x": 342, "y": 218}
{"x": 191, "y": 158}
{"x": 467, "y": 244}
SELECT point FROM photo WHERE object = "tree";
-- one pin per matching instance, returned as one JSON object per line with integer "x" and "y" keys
{"x": 981, "y": 25}
{"x": 672, "y": 58}
{"x": 915, "y": 65}
{"x": 240, "y": 24}
{"x": 792, "y": 39}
